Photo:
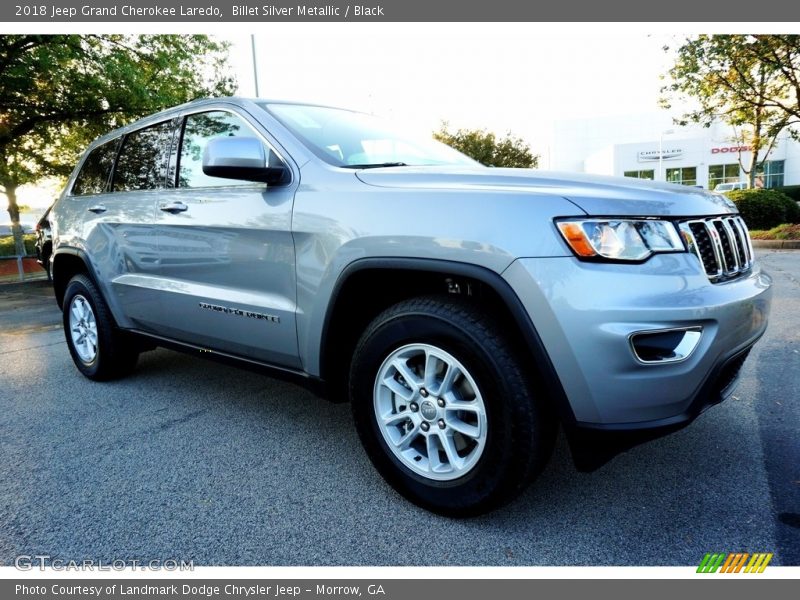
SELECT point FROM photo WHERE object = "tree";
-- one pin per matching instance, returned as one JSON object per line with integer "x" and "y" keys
{"x": 751, "y": 82}
{"x": 781, "y": 54}
{"x": 59, "y": 92}
{"x": 484, "y": 147}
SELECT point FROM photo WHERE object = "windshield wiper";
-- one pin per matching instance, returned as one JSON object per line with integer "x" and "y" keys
{"x": 376, "y": 165}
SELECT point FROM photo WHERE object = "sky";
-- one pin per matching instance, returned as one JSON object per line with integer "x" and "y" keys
{"x": 503, "y": 77}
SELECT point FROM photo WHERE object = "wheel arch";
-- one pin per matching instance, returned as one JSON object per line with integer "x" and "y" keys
{"x": 68, "y": 262}
{"x": 368, "y": 286}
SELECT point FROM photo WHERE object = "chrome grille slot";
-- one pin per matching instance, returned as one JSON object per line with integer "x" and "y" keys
{"x": 703, "y": 247}
{"x": 742, "y": 240}
{"x": 722, "y": 244}
{"x": 729, "y": 262}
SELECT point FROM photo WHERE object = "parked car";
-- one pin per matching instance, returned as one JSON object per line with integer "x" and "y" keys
{"x": 465, "y": 312}
{"x": 730, "y": 186}
{"x": 44, "y": 241}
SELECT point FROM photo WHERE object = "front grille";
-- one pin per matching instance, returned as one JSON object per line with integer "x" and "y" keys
{"x": 722, "y": 244}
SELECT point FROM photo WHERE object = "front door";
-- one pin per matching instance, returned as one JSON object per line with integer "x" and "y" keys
{"x": 226, "y": 254}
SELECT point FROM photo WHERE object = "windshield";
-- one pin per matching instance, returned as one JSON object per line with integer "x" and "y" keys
{"x": 356, "y": 140}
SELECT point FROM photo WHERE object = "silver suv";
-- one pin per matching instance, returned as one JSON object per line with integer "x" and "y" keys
{"x": 465, "y": 312}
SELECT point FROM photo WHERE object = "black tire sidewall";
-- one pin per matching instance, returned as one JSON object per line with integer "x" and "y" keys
{"x": 46, "y": 261}
{"x": 489, "y": 481}
{"x": 81, "y": 286}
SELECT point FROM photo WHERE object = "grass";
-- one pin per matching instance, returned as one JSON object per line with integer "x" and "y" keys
{"x": 7, "y": 245}
{"x": 787, "y": 231}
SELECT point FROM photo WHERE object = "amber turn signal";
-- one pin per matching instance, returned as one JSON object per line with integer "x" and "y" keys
{"x": 576, "y": 238}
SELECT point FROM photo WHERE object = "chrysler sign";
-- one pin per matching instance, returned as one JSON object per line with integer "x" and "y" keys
{"x": 665, "y": 154}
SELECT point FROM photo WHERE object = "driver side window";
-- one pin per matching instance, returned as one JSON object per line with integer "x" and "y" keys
{"x": 198, "y": 130}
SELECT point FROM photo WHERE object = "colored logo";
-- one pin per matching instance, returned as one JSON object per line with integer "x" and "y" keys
{"x": 734, "y": 562}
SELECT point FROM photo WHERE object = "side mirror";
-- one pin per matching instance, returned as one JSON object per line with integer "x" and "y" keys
{"x": 243, "y": 158}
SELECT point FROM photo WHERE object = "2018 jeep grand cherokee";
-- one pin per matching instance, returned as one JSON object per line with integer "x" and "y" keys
{"x": 465, "y": 311}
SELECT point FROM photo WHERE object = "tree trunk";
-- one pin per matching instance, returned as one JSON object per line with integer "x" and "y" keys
{"x": 751, "y": 174}
{"x": 13, "y": 212}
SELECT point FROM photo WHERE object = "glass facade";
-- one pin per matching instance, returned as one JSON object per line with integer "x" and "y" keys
{"x": 722, "y": 174}
{"x": 682, "y": 175}
{"x": 770, "y": 174}
{"x": 645, "y": 174}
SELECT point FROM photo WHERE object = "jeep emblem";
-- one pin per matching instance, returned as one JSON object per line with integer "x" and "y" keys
{"x": 428, "y": 410}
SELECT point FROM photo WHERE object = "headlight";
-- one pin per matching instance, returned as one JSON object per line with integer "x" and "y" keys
{"x": 620, "y": 239}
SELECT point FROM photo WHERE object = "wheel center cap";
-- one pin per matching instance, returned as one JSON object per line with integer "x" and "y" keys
{"x": 428, "y": 410}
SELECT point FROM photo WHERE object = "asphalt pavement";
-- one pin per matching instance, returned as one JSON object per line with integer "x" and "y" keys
{"x": 192, "y": 460}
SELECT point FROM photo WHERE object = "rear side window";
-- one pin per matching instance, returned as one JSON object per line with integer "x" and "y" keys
{"x": 198, "y": 130}
{"x": 142, "y": 162}
{"x": 96, "y": 170}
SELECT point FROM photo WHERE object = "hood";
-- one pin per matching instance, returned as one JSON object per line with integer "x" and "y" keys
{"x": 595, "y": 194}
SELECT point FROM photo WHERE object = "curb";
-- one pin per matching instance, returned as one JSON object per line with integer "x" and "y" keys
{"x": 12, "y": 279}
{"x": 777, "y": 244}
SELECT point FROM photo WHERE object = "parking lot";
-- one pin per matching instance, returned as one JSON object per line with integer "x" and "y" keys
{"x": 192, "y": 460}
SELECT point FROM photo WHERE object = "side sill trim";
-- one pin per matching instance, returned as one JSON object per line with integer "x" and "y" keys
{"x": 310, "y": 382}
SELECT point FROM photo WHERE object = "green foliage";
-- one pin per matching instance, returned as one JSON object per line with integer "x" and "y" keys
{"x": 59, "y": 92}
{"x": 785, "y": 231}
{"x": 8, "y": 248}
{"x": 487, "y": 149}
{"x": 765, "y": 209}
{"x": 736, "y": 76}
{"x": 793, "y": 191}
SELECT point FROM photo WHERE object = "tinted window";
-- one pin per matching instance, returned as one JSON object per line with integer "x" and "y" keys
{"x": 142, "y": 162}
{"x": 94, "y": 174}
{"x": 198, "y": 130}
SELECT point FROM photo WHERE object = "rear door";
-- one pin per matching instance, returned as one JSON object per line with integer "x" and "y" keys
{"x": 226, "y": 254}
{"x": 138, "y": 180}
{"x": 113, "y": 199}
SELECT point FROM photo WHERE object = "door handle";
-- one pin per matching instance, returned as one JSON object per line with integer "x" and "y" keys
{"x": 97, "y": 209}
{"x": 174, "y": 207}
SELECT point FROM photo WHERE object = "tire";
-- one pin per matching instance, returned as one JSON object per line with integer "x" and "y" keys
{"x": 99, "y": 350}
{"x": 477, "y": 437}
{"x": 46, "y": 252}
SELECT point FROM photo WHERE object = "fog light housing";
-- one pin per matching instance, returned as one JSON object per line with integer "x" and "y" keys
{"x": 665, "y": 345}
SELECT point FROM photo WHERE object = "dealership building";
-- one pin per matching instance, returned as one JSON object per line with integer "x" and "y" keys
{"x": 652, "y": 147}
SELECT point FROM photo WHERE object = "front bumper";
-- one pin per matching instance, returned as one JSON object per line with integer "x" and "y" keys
{"x": 585, "y": 313}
